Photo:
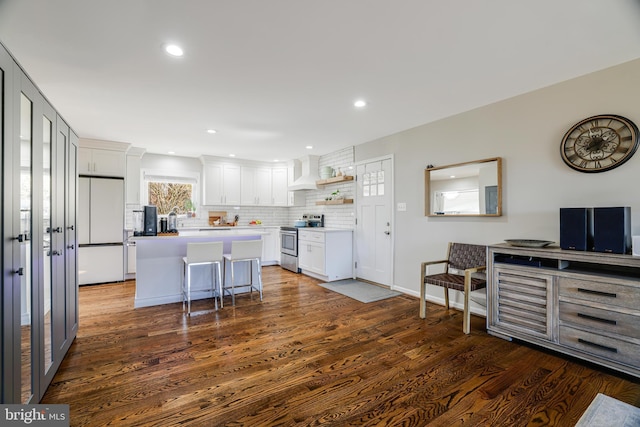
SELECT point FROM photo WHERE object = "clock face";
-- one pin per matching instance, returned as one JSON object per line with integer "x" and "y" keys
{"x": 599, "y": 143}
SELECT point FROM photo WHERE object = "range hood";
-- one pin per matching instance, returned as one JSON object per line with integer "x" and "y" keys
{"x": 309, "y": 174}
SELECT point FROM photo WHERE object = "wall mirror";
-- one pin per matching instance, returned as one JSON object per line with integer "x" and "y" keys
{"x": 464, "y": 189}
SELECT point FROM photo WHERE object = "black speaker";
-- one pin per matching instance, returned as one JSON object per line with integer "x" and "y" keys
{"x": 576, "y": 229}
{"x": 612, "y": 230}
{"x": 150, "y": 221}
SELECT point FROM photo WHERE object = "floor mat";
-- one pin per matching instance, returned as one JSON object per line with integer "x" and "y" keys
{"x": 360, "y": 291}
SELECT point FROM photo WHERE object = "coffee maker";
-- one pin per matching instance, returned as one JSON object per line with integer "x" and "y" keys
{"x": 150, "y": 221}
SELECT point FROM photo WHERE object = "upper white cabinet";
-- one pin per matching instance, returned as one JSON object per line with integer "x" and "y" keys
{"x": 279, "y": 184}
{"x": 244, "y": 183}
{"x": 256, "y": 186}
{"x": 102, "y": 158}
{"x": 221, "y": 183}
{"x": 94, "y": 161}
{"x": 132, "y": 178}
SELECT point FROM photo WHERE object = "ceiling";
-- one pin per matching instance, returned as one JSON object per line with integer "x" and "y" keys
{"x": 275, "y": 76}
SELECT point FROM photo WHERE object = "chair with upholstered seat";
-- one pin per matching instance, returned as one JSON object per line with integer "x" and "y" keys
{"x": 202, "y": 254}
{"x": 463, "y": 263}
{"x": 245, "y": 251}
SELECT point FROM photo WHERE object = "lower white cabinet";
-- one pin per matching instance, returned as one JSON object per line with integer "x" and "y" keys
{"x": 326, "y": 254}
{"x": 271, "y": 246}
{"x": 100, "y": 264}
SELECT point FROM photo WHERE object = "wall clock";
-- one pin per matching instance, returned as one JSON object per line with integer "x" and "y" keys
{"x": 599, "y": 143}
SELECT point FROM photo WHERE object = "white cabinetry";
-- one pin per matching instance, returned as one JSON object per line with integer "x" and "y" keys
{"x": 132, "y": 178}
{"x": 255, "y": 186}
{"x": 326, "y": 254}
{"x": 96, "y": 161}
{"x": 271, "y": 246}
{"x": 100, "y": 264}
{"x": 221, "y": 183}
{"x": 295, "y": 198}
{"x": 279, "y": 184}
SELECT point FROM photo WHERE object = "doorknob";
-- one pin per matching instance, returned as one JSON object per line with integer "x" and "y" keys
{"x": 20, "y": 271}
{"x": 71, "y": 246}
{"x": 387, "y": 232}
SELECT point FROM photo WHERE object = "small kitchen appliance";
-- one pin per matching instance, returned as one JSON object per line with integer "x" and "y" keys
{"x": 150, "y": 221}
{"x": 138, "y": 223}
{"x": 314, "y": 220}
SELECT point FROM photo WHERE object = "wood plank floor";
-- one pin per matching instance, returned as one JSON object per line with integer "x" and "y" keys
{"x": 309, "y": 356}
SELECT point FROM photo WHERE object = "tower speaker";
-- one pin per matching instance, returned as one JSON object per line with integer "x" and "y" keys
{"x": 612, "y": 230}
{"x": 150, "y": 221}
{"x": 576, "y": 229}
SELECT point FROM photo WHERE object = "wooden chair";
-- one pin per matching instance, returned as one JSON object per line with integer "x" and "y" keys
{"x": 467, "y": 259}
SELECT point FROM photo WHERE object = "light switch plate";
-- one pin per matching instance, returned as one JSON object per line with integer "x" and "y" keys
{"x": 402, "y": 207}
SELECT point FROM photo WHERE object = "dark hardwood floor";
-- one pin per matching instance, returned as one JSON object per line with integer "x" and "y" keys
{"x": 309, "y": 356}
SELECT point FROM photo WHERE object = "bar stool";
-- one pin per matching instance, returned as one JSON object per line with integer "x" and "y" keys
{"x": 245, "y": 251}
{"x": 198, "y": 254}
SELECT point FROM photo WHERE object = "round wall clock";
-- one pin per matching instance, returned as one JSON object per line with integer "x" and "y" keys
{"x": 599, "y": 143}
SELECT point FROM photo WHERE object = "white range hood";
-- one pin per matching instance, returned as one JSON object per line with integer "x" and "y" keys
{"x": 309, "y": 174}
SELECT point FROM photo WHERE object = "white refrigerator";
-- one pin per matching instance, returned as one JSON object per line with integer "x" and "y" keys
{"x": 100, "y": 230}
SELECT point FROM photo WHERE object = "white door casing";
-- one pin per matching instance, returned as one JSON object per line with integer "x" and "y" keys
{"x": 374, "y": 238}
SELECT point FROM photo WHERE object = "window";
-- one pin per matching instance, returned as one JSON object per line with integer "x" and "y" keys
{"x": 169, "y": 195}
{"x": 168, "y": 190}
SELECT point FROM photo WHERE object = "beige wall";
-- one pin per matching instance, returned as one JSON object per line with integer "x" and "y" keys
{"x": 526, "y": 132}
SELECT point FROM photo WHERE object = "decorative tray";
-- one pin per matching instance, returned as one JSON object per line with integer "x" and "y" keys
{"x": 528, "y": 243}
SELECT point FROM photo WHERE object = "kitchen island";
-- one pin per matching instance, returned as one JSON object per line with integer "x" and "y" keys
{"x": 159, "y": 264}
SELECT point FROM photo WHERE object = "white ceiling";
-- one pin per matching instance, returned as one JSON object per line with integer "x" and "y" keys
{"x": 272, "y": 76}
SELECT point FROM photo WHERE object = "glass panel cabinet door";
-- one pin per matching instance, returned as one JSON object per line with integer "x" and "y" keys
{"x": 24, "y": 237}
{"x": 47, "y": 127}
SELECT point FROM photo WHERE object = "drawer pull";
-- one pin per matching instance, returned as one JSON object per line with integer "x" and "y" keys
{"x": 600, "y": 346}
{"x": 598, "y": 319}
{"x": 591, "y": 291}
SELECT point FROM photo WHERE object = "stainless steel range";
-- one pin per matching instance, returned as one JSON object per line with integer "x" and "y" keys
{"x": 289, "y": 240}
{"x": 289, "y": 248}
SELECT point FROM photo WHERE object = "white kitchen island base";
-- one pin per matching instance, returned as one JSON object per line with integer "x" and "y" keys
{"x": 159, "y": 266}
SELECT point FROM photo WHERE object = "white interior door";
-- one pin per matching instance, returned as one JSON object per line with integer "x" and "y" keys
{"x": 374, "y": 257}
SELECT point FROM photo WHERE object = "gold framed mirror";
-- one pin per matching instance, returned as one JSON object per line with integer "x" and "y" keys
{"x": 464, "y": 189}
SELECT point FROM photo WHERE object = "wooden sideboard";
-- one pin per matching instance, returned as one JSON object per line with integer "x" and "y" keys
{"x": 584, "y": 304}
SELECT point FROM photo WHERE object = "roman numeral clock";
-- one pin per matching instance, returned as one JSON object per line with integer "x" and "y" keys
{"x": 599, "y": 143}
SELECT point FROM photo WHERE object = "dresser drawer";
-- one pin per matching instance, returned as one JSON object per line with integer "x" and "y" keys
{"x": 607, "y": 347}
{"x": 311, "y": 236}
{"x": 606, "y": 321}
{"x": 619, "y": 295}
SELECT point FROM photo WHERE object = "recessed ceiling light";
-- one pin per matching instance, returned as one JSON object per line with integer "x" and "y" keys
{"x": 309, "y": 147}
{"x": 171, "y": 152}
{"x": 174, "y": 50}
{"x": 360, "y": 103}
{"x": 276, "y": 160}
{"x": 452, "y": 176}
{"x": 232, "y": 155}
{"x": 211, "y": 131}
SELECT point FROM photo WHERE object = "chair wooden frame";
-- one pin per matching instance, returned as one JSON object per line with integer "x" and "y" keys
{"x": 449, "y": 280}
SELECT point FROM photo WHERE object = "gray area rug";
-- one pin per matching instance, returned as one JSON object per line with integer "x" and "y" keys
{"x": 360, "y": 291}
{"x": 606, "y": 411}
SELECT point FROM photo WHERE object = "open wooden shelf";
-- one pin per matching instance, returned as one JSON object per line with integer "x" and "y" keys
{"x": 335, "y": 202}
{"x": 335, "y": 180}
